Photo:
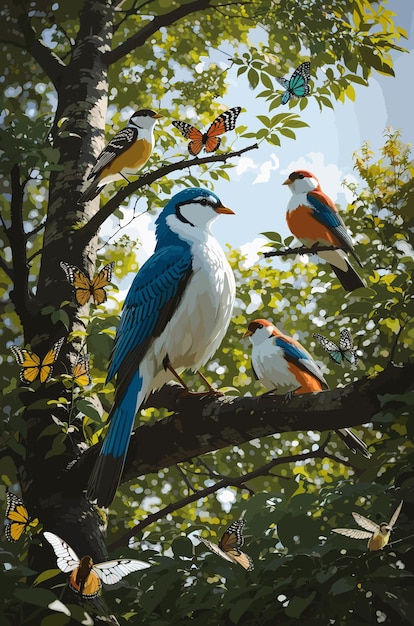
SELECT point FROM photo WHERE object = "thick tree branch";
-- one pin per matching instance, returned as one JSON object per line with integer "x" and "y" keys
{"x": 201, "y": 425}
{"x": 300, "y": 250}
{"x": 235, "y": 481}
{"x": 141, "y": 37}
{"x": 96, "y": 221}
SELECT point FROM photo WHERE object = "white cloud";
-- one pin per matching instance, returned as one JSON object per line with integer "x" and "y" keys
{"x": 265, "y": 169}
{"x": 244, "y": 164}
{"x": 329, "y": 175}
{"x": 251, "y": 251}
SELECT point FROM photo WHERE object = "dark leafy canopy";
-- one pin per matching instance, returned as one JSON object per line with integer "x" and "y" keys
{"x": 66, "y": 68}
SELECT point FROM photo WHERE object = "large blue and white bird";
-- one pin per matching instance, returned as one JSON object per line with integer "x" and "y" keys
{"x": 175, "y": 316}
{"x": 285, "y": 367}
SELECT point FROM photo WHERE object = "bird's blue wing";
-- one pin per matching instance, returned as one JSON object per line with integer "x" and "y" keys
{"x": 329, "y": 218}
{"x": 295, "y": 353}
{"x": 151, "y": 301}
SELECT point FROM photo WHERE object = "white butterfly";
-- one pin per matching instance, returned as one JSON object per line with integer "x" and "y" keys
{"x": 85, "y": 576}
{"x": 378, "y": 534}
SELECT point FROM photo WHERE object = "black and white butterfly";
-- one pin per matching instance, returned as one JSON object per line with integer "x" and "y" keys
{"x": 230, "y": 544}
{"x": 345, "y": 351}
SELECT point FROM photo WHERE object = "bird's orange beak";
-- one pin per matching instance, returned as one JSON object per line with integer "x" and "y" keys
{"x": 157, "y": 116}
{"x": 248, "y": 333}
{"x": 287, "y": 182}
{"x": 225, "y": 210}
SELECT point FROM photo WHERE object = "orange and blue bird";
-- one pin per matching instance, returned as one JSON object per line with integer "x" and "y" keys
{"x": 284, "y": 366}
{"x": 313, "y": 218}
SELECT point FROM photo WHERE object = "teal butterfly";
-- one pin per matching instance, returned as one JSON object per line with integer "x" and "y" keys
{"x": 297, "y": 85}
{"x": 344, "y": 352}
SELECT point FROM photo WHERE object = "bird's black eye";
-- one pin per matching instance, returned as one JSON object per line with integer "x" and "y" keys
{"x": 260, "y": 326}
{"x": 204, "y": 201}
{"x": 301, "y": 176}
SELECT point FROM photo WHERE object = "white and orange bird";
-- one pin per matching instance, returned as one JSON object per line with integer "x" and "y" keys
{"x": 284, "y": 366}
{"x": 313, "y": 218}
{"x": 86, "y": 577}
{"x": 378, "y": 535}
{"x": 124, "y": 155}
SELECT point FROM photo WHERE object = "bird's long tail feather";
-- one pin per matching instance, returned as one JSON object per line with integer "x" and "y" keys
{"x": 353, "y": 442}
{"x": 91, "y": 192}
{"x": 349, "y": 279}
{"x": 106, "y": 474}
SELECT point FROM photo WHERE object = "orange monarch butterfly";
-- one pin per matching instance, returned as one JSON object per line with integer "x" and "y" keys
{"x": 85, "y": 576}
{"x": 33, "y": 366}
{"x": 209, "y": 140}
{"x": 230, "y": 544}
{"x": 17, "y": 515}
{"x": 84, "y": 287}
{"x": 80, "y": 369}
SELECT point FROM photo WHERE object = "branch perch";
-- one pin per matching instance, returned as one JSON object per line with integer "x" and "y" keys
{"x": 106, "y": 211}
{"x": 300, "y": 250}
{"x": 201, "y": 425}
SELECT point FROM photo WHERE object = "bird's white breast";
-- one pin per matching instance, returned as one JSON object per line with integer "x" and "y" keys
{"x": 201, "y": 319}
{"x": 271, "y": 367}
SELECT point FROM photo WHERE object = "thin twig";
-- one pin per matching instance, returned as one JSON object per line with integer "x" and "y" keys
{"x": 225, "y": 482}
{"x": 300, "y": 250}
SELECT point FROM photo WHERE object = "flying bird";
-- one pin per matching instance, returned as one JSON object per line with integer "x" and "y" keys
{"x": 341, "y": 353}
{"x": 125, "y": 154}
{"x": 209, "y": 140}
{"x": 297, "y": 85}
{"x": 313, "y": 218}
{"x": 86, "y": 577}
{"x": 230, "y": 544}
{"x": 284, "y": 366}
{"x": 175, "y": 316}
{"x": 378, "y": 535}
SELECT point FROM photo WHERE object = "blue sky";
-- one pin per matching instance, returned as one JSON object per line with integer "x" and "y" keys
{"x": 255, "y": 191}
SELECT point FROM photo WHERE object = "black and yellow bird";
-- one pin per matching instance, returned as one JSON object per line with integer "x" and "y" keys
{"x": 124, "y": 155}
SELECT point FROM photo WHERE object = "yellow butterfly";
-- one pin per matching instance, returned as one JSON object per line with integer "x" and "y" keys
{"x": 33, "y": 366}
{"x": 17, "y": 515}
{"x": 80, "y": 369}
{"x": 84, "y": 287}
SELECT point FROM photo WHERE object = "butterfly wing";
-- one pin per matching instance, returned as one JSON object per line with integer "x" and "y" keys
{"x": 190, "y": 132}
{"x": 18, "y": 517}
{"x": 111, "y": 572}
{"x": 366, "y": 523}
{"x": 395, "y": 515}
{"x": 80, "y": 370}
{"x": 334, "y": 351}
{"x": 354, "y": 533}
{"x": 100, "y": 281}
{"x": 298, "y": 83}
{"x": 233, "y": 536}
{"x": 223, "y": 123}
{"x": 346, "y": 346}
{"x": 29, "y": 362}
{"x": 212, "y": 546}
{"x": 66, "y": 558}
{"x": 46, "y": 367}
